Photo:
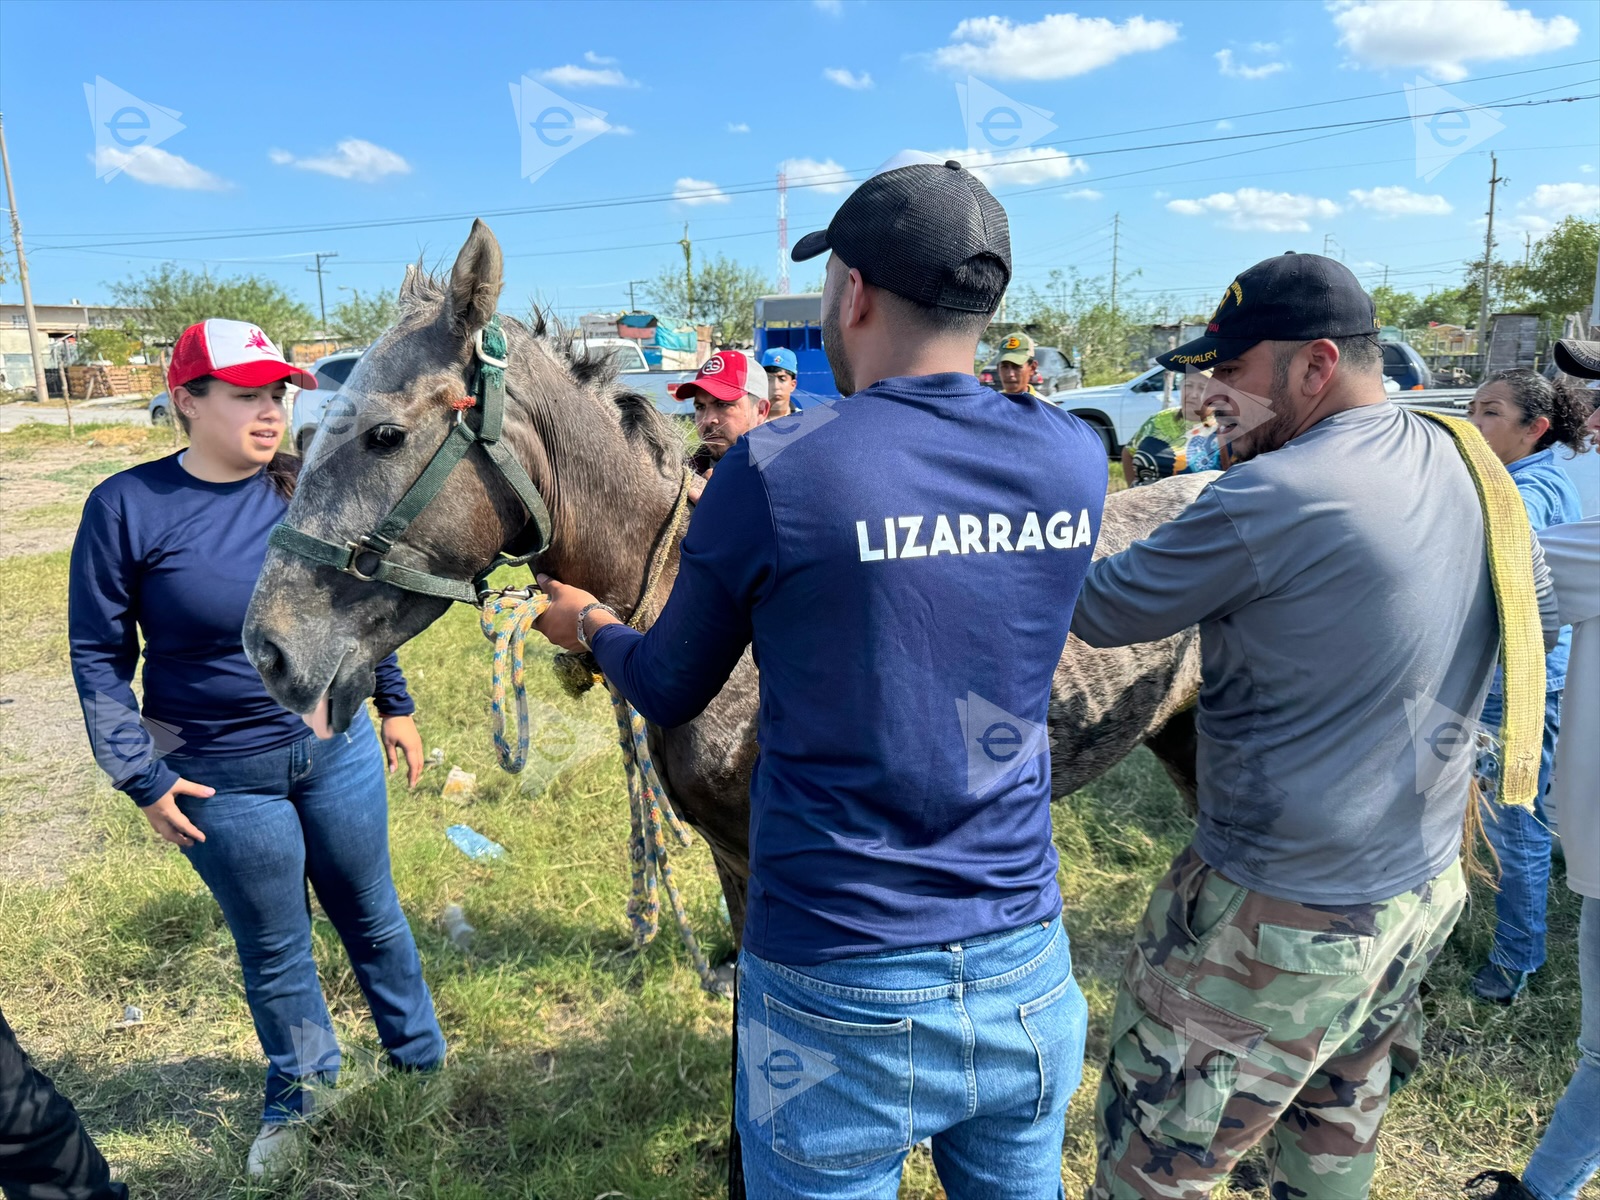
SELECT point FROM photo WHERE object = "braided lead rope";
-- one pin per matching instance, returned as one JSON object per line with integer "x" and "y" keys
{"x": 506, "y": 618}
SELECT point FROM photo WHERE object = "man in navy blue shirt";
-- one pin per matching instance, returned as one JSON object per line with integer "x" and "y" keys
{"x": 904, "y": 563}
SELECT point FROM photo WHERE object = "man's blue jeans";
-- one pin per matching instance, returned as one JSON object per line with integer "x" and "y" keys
{"x": 1522, "y": 841}
{"x": 312, "y": 810}
{"x": 1569, "y": 1151}
{"x": 847, "y": 1065}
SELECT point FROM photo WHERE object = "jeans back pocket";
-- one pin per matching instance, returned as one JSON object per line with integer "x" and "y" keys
{"x": 838, "y": 1092}
{"x": 1057, "y": 1023}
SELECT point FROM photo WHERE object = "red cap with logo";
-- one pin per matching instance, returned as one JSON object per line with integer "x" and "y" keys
{"x": 236, "y": 352}
{"x": 726, "y": 376}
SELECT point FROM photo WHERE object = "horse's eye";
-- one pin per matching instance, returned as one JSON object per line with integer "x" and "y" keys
{"x": 385, "y": 439}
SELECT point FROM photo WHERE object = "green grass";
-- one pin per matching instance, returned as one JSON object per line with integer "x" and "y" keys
{"x": 579, "y": 1068}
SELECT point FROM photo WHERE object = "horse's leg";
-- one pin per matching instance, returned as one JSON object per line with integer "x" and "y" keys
{"x": 735, "y": 890}
{"x": 1175, "y": 744}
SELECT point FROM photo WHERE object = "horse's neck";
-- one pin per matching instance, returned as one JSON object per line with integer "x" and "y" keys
{"x": 611, "y": 509}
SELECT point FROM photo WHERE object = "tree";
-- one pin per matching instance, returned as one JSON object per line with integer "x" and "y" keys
{"x": 115, "y": 346}
{"x": 724, "y": 297}
{"x": 361, "y": 320}
{"x": 168, "y": 299}
{"x": 1559, "y": 276}
{"x": 1074, "y": 312}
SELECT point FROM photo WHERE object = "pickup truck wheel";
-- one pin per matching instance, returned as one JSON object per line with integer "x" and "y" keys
{"x": 1107, "y": 438}
{"x": 302, "y": 440}
{"x": 159, "y": 416}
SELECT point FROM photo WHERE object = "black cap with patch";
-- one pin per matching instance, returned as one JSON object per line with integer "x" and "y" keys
{"x": 914, "y": 230}
{"x": 1290, "y": 298}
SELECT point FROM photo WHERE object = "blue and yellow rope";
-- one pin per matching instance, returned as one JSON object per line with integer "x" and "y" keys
{"x": 506, "y": 619}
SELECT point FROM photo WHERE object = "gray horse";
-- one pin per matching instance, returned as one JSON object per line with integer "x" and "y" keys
{"x": 609, "y": 467}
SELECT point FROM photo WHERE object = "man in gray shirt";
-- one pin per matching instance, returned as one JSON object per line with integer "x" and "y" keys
{"x": 1339, "y": 575}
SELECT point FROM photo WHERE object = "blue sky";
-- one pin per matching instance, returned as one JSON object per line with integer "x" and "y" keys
{"x": 389, "y": 113}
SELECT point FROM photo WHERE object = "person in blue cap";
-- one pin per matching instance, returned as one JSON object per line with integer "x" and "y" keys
{"x": 783, "y": 370}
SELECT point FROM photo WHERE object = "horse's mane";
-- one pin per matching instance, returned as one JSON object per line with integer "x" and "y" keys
{"x": 641, "y": 422}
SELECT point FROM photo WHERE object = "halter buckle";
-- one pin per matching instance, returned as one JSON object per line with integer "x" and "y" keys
{"x": 357, "y": 548}
{"x": 484, "y": 356}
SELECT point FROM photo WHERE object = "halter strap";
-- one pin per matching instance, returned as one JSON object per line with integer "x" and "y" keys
{"x": 367, "y": 556}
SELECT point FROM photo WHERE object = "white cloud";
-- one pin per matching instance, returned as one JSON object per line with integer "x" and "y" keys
{"x": 1224, "y": 125}
{"x": 738, "y": 127}
{"x": 158, "y": 168}
{"x": 1159, "y": 195}
{"x": 1057, "y": 46}
{"x": 832, "y": 7}
{"x": 353, "y": 158}
{"x": 698, "y": 191}
{"x": 1400, "y": 202}
{"x": 1084, "y": 194}
{"x": 1550, "y": 202}
{"x": 1255, "y": 209}
{"x": 822, "y": 175}
{"x": 1025, "y": 165}
{"x": 1265, "y": 47}
{"x": 847, "y": 79}
{"x": 572, "y": 75}
{"x": 1586, "y": 169}
{"x": 599, "y": 60}
{"x": 1442, "y": 36}
{"x": 1237, "y": 70}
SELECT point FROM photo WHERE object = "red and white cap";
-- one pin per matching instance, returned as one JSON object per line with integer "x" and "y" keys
{"x": 236, "y": 352}
{"x": 726, "y": 376}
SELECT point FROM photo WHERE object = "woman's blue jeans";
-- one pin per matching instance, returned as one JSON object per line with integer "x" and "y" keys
{"x": 1522, "y": 841}
{"x": 843, "y": 1067}
{"x": 1569, "y": 1151}
{"x": 312, "y": 810}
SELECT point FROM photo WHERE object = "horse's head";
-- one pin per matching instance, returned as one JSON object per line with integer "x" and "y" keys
{"x": 584, "y": 443}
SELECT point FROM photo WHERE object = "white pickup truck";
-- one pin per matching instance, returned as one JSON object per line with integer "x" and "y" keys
{"x": 660, "y": 386}
{"x": 1116, "y": 410}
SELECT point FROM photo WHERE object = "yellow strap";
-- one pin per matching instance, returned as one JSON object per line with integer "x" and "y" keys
{"x": 1510, "y": 545}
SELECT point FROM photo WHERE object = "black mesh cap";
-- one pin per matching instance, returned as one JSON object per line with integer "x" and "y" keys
{"x": 914, "y": 230}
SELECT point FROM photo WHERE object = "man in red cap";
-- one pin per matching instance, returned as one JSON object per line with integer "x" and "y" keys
{"x": 731, "y": 397}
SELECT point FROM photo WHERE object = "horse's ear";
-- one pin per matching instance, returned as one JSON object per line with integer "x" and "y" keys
{"x": 475, "y": 282}
{"x": 411, "y": 287}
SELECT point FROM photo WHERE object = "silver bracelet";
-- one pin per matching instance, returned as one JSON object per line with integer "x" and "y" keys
{"x": 584, "y": 612}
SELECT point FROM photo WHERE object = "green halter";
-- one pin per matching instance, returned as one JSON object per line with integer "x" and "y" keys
{"x": 366, "y": 557}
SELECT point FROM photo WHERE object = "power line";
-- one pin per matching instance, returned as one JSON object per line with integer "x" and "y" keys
{"x": 818, "y": 181}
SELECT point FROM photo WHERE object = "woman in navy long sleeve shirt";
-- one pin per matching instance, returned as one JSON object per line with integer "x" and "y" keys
{"x": 258, "y": 803}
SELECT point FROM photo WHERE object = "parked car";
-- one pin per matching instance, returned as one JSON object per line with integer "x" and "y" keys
{"x": 1115, "y": 411}
{"x": 1054, "y": 373}
{"x": 661, "y": 386}
{"x": 1404, "y": 365}
{"x": 311, "y": 407}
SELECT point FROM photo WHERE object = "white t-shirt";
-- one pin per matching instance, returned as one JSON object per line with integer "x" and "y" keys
{"x": 1573, "y": 554}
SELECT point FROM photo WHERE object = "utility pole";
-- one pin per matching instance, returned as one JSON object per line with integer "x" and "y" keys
{"x": 783, "y": 232}
{"x": 688, "y": 271}
{"x": 631, "y": 284}
{"x": 1488, "y": 258}
{"x": 1116, "y": 238}
{"x": 1385, "y": 275}
{"x": 1527, "y": 250}
{"x": 321, "y": 303}
{"x": 41, "y": 390}
{"x": 1329, "y": 245}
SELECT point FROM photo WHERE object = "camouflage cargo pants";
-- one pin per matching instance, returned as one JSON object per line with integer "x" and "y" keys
{"x": 1242, "y": 1017}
